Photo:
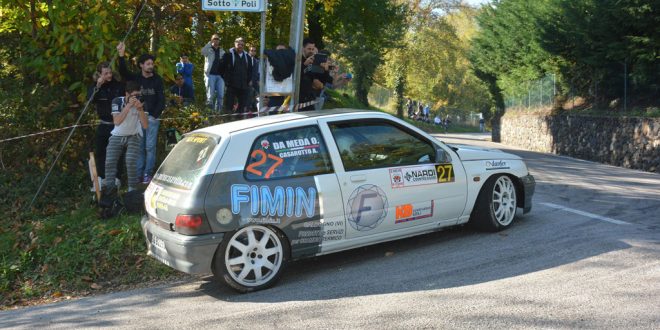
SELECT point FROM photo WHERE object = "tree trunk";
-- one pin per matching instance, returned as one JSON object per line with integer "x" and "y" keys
{"x": 314, "y": 25}
{"x": 33, "y": 18}
{"x": 155, "y": 29}
{"x": 399, "y": 88}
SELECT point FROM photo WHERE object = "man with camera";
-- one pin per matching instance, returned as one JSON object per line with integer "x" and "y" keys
{"x": 130, "y": 119}
{"x": 314, "y": 74}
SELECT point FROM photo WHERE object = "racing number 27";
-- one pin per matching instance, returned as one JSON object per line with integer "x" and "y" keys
{"x": 262, "y": 158}
{"x": 445, "y": 173}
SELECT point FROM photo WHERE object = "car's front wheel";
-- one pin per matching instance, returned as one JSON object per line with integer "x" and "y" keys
{"x": 496, "y": 204}
{"x": 251, "y": 258}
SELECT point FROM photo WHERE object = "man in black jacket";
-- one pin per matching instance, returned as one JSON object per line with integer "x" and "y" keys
{"x": 108, "y": 88}
{"x": 237, "y": 74}
{"x": 153, "y": 98}
{"x": 311, "y": 82}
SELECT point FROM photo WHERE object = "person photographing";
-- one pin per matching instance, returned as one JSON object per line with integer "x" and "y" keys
{"x": 130, "y": 119}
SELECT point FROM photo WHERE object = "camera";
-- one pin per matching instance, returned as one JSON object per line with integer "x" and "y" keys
{"x": 139, "y": 98}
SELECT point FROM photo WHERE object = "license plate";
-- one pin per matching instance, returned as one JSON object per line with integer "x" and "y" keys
{"x": 158, "y": 243}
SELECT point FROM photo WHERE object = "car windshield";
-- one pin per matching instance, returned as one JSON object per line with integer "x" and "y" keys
{"x": 185, "y": 162}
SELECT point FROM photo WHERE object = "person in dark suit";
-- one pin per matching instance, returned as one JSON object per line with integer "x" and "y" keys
{"x": 237, "y": 74}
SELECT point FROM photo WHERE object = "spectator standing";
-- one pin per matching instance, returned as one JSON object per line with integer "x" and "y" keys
{"x": 237, "y": 72}
{"x": 427, "y": 109}
{"x": 254, "y": 91}
{"x": 482, "y": 123}
{"x": 409, "y": 106}
{"x": 130, "y": 120}
{"x": 185, "y": 68}
{"x": 182, "y": 92}
{"x": 153, "y": 100}
{"x": 108, "y": 89}
{"x": 215, "y": 85}
{"x": 309, "y": 85}
{"x": 446, "y": 122}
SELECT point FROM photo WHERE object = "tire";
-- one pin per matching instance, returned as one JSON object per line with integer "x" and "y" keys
{"x": 496, "y": 205}
{"x": 251, "y": 258}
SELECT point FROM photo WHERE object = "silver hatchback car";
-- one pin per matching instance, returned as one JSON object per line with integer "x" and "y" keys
{"x": 241, "y": 199}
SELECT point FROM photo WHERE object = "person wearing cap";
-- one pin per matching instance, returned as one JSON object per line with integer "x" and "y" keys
{"x": 215, "y": 85}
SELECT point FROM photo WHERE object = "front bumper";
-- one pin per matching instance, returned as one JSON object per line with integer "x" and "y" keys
{"x": 189, "y": 254}
{"x": 529, "y": 185}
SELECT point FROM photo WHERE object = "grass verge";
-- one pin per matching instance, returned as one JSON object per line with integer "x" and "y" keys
{"x": 73, "y": 254}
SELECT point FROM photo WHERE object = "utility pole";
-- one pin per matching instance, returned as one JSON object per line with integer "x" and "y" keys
{"x": 295, "y": 41}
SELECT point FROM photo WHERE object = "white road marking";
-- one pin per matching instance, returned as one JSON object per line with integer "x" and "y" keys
{"x": 587, "y": 214}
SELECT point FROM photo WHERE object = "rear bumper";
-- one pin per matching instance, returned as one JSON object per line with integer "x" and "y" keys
{"x": 529, "y": 185}
{"x": 189, "y": 254}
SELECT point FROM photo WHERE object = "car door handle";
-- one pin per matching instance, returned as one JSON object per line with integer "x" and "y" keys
{"x": 358, "y": 178}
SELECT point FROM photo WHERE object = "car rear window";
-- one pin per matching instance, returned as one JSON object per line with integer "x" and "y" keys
{"x": 293, "y": 152}
{"x": 185, "y": 162}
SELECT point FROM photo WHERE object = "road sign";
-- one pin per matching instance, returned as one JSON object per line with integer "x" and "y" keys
{"x": 234, "y": 5}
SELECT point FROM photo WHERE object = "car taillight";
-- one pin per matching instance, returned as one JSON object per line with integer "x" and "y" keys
{"x": 191, "y": 224}
{"x": 187, "y": 220}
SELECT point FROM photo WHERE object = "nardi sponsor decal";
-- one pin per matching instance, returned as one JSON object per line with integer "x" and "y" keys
{"x": 410, "y": 212}
{"x": 413, "y": 176}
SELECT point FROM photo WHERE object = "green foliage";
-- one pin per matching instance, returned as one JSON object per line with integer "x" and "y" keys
{"x": 588, "y": 45}
{"x": 363, "y": 32}
{"x": 432, "y": 62}
{"x": 507, "y": 46}
{"x": 596, "y": 39}
{"x": 72, "y": 253}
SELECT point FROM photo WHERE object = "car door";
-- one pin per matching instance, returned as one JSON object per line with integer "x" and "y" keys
{"x": 390, "y": 178}
{"x": 280, "y": 176}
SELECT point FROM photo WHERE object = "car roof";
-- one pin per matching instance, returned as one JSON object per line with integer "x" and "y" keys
{"x": 279, "y": 118}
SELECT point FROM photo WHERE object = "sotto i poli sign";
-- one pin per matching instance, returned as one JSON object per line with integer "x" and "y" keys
{"x": 233, "y": 5}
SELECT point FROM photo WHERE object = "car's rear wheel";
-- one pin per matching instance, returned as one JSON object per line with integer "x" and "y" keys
{"x": 251, "y": 258}
{"x": 496, "y": 204}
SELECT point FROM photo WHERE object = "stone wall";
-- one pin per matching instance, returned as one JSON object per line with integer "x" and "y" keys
{"x": 625, "y": 141}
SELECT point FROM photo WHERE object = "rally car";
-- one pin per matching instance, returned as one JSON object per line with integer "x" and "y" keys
{"x": 241, "y": 199}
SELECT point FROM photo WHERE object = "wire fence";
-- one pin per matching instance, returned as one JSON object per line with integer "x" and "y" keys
{"x": 534, "y": 94}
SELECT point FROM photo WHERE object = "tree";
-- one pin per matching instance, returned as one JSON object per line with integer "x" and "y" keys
{"x": 598, "y": 40}
{"x": 432, "y": 62}
{"x": 363, "y": 32}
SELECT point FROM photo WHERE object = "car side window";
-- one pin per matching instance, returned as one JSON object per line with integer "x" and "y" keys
{"x": 376, "y": 144}
{"x": 288, "y": 153}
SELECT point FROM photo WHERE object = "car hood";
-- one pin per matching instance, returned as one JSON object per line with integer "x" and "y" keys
{"x": 477, "y": 153}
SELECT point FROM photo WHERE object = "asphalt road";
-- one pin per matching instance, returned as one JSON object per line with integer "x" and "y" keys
{"x": 587, "y": 256}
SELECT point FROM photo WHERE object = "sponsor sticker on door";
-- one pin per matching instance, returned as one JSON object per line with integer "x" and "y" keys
{"x": 411, "y": 212}
{"x": 413, "y": 176}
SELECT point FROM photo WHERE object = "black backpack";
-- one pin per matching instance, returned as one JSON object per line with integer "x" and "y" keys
{"x": 134, "y": 201}
{"x": 111, "y": 205}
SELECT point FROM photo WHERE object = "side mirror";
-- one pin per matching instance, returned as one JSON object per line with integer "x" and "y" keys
{"x": 441, "y": 156}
